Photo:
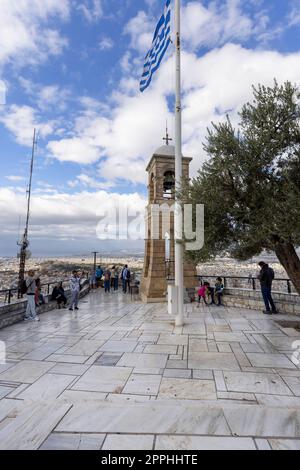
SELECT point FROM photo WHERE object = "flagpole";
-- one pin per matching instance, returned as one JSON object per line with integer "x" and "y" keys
{"x": 178, "y": 175}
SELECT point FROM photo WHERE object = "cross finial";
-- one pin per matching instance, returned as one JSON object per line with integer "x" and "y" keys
{"x": 167, "y": 138}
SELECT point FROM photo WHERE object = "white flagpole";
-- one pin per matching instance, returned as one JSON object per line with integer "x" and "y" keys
{"x": 178, "y": 219}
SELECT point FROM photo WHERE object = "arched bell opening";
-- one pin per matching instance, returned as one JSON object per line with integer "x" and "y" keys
{"x": 169, "y": 185}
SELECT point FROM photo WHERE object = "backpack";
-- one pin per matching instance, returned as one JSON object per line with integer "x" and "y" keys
{"x": 23, "y": 288}
{"x": 272, "y": 274}
{"x": 128, "y": 275}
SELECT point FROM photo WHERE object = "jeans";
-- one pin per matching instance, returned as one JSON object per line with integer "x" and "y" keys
{"x": 30, "y": 310}
{"x": 212, "y": 294}
{"x": 116, "y": 283}
{"x": 107, "y": 285}
{"x": 219, "y": 296}
{"x": 74, "y": 298}
{"x": 267, "y": 296}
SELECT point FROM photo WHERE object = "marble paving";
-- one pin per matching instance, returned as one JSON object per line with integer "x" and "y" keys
{"x": 119, "y": 375}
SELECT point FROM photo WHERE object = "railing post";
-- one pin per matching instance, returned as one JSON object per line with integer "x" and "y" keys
{"x": 253, "y": 284}
{"x": 48, "y": 289}
{"x": 9, "y": 296}
{"x": 225, "y": 282}
{"x": 289, "y": 287}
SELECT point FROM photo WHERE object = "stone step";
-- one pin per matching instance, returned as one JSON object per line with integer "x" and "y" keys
{"x": 182, "y": 417}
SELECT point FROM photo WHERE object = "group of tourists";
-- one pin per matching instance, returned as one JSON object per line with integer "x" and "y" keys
{"x": 32, "y": 287}
{"x": 110, "y": 279}
{"x": 266, "y": 277}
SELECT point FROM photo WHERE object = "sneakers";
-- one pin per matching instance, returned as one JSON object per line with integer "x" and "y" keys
{"x": 76, "y": 308}
{"x": 27, "y": 319}
{"x": 266, "y": 312}
{"x": 71, "y": 310}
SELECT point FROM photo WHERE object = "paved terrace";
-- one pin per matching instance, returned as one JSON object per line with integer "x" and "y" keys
{"x": 119, "y": 375}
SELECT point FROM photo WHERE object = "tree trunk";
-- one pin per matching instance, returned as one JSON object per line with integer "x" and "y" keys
{"x": 289, "y": 259}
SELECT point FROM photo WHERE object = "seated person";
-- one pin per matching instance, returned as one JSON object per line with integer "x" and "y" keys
{"x": 219, "y": 290}
{"x": 58, "y": 294}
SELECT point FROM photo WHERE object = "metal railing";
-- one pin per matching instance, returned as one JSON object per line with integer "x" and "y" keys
{"x": 9, "y": 295}
{"x": 282, "y": 285}
{"x": 250, "y": 282}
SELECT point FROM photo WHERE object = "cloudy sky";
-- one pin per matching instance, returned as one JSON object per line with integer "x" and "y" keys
{"x": 71, "y": 69}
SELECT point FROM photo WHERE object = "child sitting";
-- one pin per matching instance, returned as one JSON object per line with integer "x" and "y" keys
{"x": 202, "y": 292}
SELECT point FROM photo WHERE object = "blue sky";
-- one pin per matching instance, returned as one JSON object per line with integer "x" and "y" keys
{"x": 71, "y": 68}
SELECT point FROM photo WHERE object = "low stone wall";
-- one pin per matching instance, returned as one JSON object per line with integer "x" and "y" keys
{"x": 14, "y": 313}
{"x": 247, "y": 298}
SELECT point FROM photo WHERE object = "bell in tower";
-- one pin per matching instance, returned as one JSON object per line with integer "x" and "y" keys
{"x": 159, "y": 262}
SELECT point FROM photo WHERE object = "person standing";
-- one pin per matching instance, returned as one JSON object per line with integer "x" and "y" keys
{"x": 116, "y": 280}
{"x": 92, "y": 280}
{"x": 219, "y": 291}
{"x": 128, "y": 280}
{"x": 75, "y": 290}
{"x": 112, "y": 279}
{"x": 123, "y": 278}
{"x": 30, "y": 281}
{"x": 266, "y": 278}
{"x": 99, "y": 274}
{"x": 39, "y": 298}
{"x": 203, "y": 292}
{"x": 107, "y": 280}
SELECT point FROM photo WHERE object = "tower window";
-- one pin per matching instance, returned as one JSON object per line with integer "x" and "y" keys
{"x": 169, "y": 185}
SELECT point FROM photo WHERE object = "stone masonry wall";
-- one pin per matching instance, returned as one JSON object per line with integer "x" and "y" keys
{"x": 14, "y": 313}
{"x": 286, "y": 303}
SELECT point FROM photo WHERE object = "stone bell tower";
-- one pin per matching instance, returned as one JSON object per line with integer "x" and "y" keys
{"x": 159, "y": 263}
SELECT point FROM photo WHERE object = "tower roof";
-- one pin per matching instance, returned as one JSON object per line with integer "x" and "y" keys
{"x": 166, "y": 150}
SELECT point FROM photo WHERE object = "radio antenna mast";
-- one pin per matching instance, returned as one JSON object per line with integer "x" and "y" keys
{"x": 24, "y": 243}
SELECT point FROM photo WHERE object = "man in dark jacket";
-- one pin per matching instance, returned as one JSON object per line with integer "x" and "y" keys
{"x": 266, "y": 277}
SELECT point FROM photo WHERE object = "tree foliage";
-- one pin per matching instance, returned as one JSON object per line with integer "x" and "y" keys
{"x": 250, "y": 184}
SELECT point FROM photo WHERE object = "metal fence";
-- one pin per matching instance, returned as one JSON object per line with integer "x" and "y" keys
{"x": 8, "y": 296}
{"x": 281, "y": 285}
{"x": 243, "y": 282}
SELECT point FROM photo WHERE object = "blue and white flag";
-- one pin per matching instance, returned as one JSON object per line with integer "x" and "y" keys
{"x": 160, "y": 44}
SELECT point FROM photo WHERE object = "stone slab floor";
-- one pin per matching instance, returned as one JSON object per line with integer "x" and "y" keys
{"x": 119, "y": 375}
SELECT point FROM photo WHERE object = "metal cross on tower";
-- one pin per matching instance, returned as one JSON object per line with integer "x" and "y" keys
{"x": 167, "y": 139}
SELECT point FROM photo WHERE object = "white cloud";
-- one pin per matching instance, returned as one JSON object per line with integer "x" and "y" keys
{"x": 15, "y": 178}
{"x": 24, "y": 36}
{"x": 294, "y": 15}
{"x": 216, "y": 24}
{"x": 215, "y": 84}
{"x": 2, "y": 92}
{"x": 46, "y": 96}
{"x": 106, "y": 44}
{"x": 91, "y": 9}
{"x": 61, "y": 215}
{"x": 123, "y": 142}
{"x": 141, "y": 30}
{"x": 21, "y": 120}
{"x": 78, "y": 149}
{"x": 210, "y": 26}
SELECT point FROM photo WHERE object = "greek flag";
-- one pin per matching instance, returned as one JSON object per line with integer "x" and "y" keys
{"x": 160, "y": 44}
